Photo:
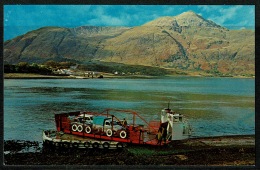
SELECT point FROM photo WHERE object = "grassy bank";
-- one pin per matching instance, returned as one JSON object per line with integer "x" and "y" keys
{"x": 32, "y": 76}
{"x": 105, "y": 75}
{"x": 39, "y": 76}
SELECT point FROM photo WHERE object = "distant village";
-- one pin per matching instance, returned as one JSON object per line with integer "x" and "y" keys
{"x": 74, "y": 72}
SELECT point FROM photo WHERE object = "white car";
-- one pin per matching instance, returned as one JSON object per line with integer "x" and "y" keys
{"x": 108, "y": 126}
{"x": 80, "y": 121}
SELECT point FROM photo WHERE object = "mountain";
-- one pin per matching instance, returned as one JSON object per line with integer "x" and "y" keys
{"x": 185, "y": 19}
{"x": 57, "y": 43}
{"x": 185, "y": 42}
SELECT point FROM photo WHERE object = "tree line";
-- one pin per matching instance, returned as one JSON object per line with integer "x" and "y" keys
{"x": 123, "y": 68}
{"x": 24, "y": 67}
{"x": 45, "y": 68}
{"x": 48, "y": 67}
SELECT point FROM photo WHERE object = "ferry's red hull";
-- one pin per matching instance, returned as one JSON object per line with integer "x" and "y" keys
{"x": 135, "y": 134}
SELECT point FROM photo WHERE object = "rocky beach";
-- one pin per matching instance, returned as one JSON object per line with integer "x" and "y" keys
{"x": 238, "y": 151}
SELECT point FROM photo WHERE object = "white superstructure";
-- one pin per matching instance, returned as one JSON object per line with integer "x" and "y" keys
{"x": 178, "y": 127}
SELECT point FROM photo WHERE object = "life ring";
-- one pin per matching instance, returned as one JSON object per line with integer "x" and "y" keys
{"x": 95, "y": 145}
{"x": 75, "y": 145}
{"x": 119, "y": 145}
{"x": 86, "y": 144}
{"x": 88, "y": 129}
{"x": 106, "y": 145}
{"x": 109, "y": 132}
{"x": 123, "y": 134}
{"x": 80, "y": 128}
{"x": 74, "y": 127}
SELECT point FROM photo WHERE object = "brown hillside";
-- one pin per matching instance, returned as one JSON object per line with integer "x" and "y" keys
{"x": 187, "y": 42}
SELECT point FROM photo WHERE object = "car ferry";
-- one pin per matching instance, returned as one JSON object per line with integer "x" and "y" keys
{"x": 111, "y": 129}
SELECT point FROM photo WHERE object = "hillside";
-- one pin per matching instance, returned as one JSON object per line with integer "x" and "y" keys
{"x": 185, "y": 42}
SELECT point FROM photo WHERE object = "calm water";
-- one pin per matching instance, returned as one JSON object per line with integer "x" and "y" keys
{"x": 214, "y": 106}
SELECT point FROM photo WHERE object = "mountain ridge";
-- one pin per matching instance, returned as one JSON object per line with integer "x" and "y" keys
{"x": 186, "y": 42}
{"x": 188, "y": 18}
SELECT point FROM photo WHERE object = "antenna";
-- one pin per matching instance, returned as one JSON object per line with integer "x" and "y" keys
{"x": 168, "y": 105}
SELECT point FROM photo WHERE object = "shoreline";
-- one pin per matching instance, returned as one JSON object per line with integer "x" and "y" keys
{"x": 109, "y": 76}
{"x": 238, "y": 150}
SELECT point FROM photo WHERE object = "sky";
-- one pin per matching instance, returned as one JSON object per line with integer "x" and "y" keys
{"x": 20, "y": 19}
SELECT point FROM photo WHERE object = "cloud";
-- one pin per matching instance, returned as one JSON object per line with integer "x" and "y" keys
{"x": 230, "y": 15}
{"x": 209, "y": 8}
{"x": 105, "y": 20}
{"x": 120, "y": 15}
{"x": 104, "y": 16}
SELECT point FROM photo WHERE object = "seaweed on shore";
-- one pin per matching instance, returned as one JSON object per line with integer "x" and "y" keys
{"x": 132, "y": 155}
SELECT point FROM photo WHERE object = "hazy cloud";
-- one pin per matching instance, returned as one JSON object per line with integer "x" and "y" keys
{"x": 230, "y": 15}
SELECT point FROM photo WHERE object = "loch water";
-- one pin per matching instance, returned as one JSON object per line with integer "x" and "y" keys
{"x": 213, "y": 106}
